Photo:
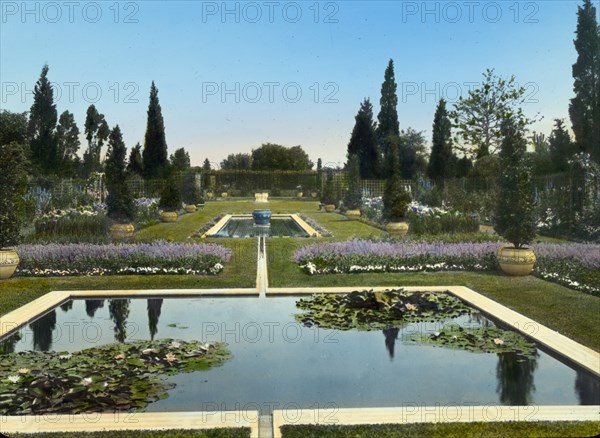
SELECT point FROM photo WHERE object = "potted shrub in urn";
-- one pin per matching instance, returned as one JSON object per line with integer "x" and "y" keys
{"x": 190, "y": 193}
{"x": 328, "y": 197}
{"x": 353, "y": 198}
{"x": 395, "y": 199}
{"x": 170, "y": 202}
{"x": 514, "y": 217}
{"x": 13, "y": 185}
{"x": 299, "y": 192}
{"x": 119, "y": 202}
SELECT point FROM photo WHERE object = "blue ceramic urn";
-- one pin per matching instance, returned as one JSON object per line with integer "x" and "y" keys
{"x": 261, "y": 217}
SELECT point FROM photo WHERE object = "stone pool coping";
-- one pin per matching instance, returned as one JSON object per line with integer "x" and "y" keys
{"x": 416, "y": 413}
{"x": 101, "y": 422}
{"x": 410, "y": 413}
{"x": 301, "y": 223}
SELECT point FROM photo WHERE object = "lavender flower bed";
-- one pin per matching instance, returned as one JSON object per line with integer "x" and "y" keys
{"x": 121, "y": 259}
{"x": 574, "y": 265}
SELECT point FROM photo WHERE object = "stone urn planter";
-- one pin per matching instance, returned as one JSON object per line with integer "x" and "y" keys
{"x": 314, "y": 194}
{"x": 9, "y": 260}
{"x": 299, "y": 194}
{"x": 397, "y": 229}
{"x": 516, "y": 262}
{"x": 190, "y": 208}
{"x": 224, "y": 195}
{"x": 210, "y": 195}
{"x": 329, "y": 208}
{"x": 353, "y": 215}
{"x": 261, "y": 217}
{"x": 121, "y": 231}
{"x": 168, "y": 216}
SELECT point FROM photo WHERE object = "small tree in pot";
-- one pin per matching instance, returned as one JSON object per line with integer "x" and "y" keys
{"x": 515, "y": 214}
{"x": 328, "y": 197}
{"x": 395, "y": 198}
{"x": 13, "y": 185}
{"x": 353, "y": 197}
{"x": 170, "y": 202}
{"x": 119, "y": 202}
{"x": 190, "y": 193}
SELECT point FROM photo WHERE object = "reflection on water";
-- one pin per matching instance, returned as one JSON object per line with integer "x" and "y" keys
{"x": 119, "y": 311}
{"x": 275, "y": 359}
{"x": 515, "y": 379}
{"x": 154, "y": 306}
{"x": 42, "y": 329}
{"x": 587, "y": 388}
{"x": 391, "y": 334}
{"x": 91, "y": 306}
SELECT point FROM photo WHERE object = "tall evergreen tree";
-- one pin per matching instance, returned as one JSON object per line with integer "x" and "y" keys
{"x": 96, "y": 133}
{"x": 388, "y": 115}
{"x": 119, "y": 203}
{"x": 412, "y": 153}
{"x": 440, "y": 160}
{"x": 42, "y": 125}
{"x": 363, "y": 142}
{"x": 67, "y": 141}
{"x": 206, "y": 169}
{"x": 560, "y": 147}
{"x": 180, "y": 160}
{"x": 135, "y": 163}
{"x": 155, "y": 144}
{"x": 515, "y": 215}
{"x": 353, "y": 197}
{"x": 584, "y": 109}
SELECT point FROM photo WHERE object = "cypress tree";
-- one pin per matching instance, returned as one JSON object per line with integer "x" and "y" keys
{"x": 440, "y": 159}
{"x": 515, "y": 215}
{"x": 584, "y": 109}
{"x": 155, "y": 145}
{"x": 96, "y": 133}
{"x": 388, "y": 115}
{"x": 135, "y": 164}
{"x": 353, "y": 197}
{"x": 560, "y": 147}
{"x": 363, "y": 142}
{"x": 119, "y": 203}
{"x": 42, "y": 125}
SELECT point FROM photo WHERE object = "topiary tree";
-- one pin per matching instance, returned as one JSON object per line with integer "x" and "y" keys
{"x": 190, "y": 193}
{"x": 328, "y": 196}
{"x": 353, "y": 197}
{"x": 395, "y": 196}
{"x": 119, "y": 202}
{"x": 13, "y": 180}
{"x": 515, "y": 215}
{"x": 170, "y": 197}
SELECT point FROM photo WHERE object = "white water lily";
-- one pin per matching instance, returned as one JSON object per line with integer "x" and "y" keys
{"x": 14, "y": 379}
{"x": 65, "y": 356}
{"x": 24, "y": 370}
{"x": 175, "y": 344}
{"x": 86, "y": 381}
{"x": 498, "y": 341}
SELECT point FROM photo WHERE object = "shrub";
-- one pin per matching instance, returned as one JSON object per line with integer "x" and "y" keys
{"x": 353, "y": 198}
{"x": 395, "y": 196}
{"x": 190, "y": 193}
{"x": 437, "y": 221}
{"x": 13, "y": 180}
{"x": 84, "y": 224}
{"x": 328, "y": 196}
{"x": 170, "y": 198}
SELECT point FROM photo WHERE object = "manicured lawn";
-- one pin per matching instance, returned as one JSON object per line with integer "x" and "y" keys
{"x": 458, "y": 430}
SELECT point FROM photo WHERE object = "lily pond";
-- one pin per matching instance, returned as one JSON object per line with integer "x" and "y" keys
{"x": 362, "y": 349}
{"x": 243, "y": 227}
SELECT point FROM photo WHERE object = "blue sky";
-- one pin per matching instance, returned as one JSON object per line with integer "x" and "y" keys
{"x": 234, "y": 75}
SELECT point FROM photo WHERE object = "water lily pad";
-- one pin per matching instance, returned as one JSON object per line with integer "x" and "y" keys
{"x": 93, "y": 380}
{"x": 368, "y": 310}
